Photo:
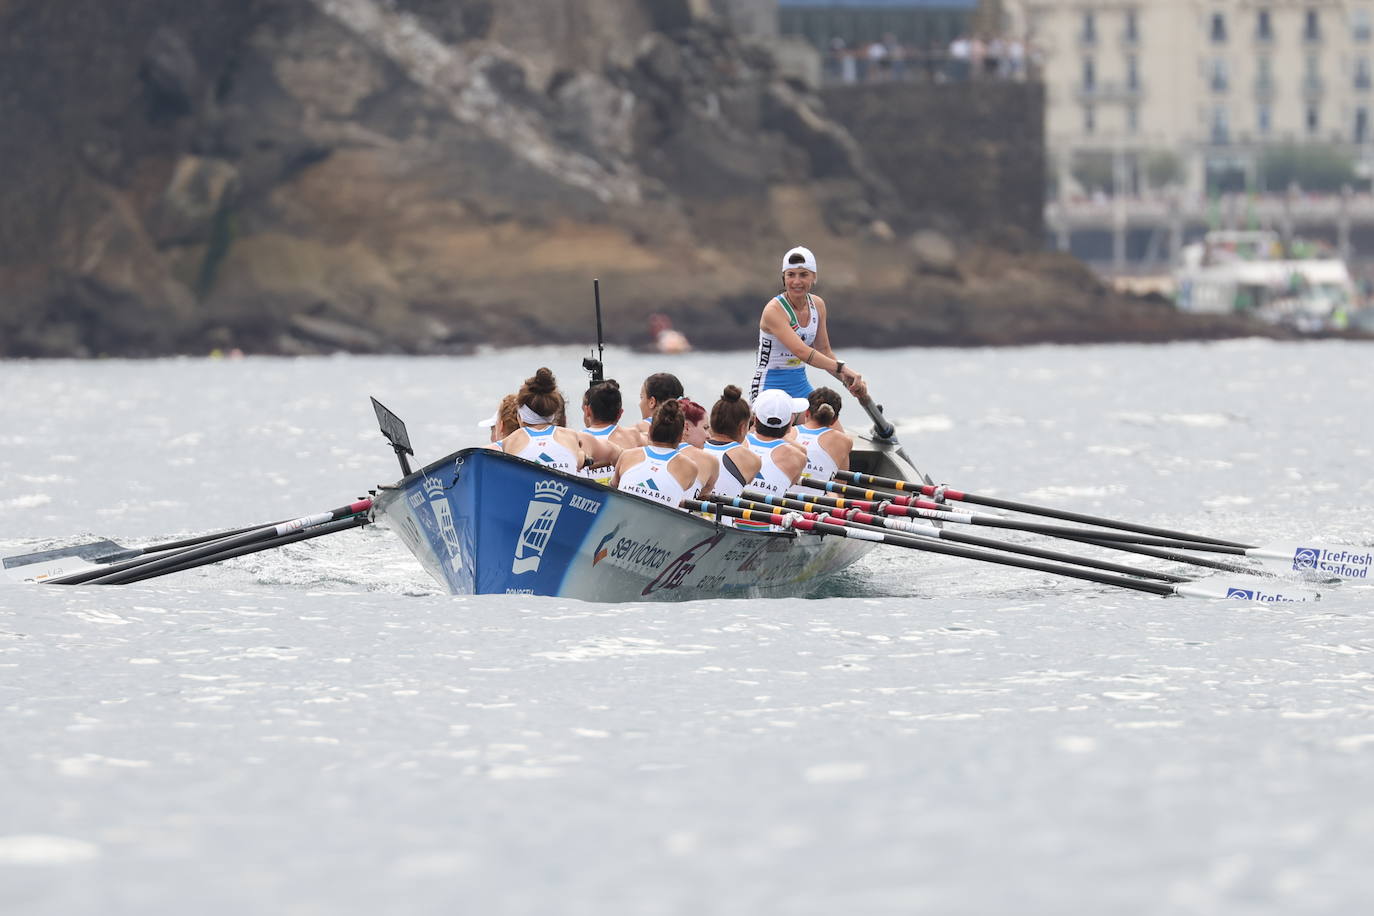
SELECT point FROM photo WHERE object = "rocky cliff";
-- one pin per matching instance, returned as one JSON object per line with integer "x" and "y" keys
{"x": 422, "y": 175}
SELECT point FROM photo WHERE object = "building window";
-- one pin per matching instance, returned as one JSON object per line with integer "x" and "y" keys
{"x": 1219, "y": 80}
{"x": 1360, "y": 24}
{"x": 1132, "y": 30}
{"x": 1362, "y": 73}
{"x": 1312, "y": 74}
{"x": 1311, "y": 26}
{"x": 1361, "y": 132}
{"x": 1132, "y": 73}
{"x": 1263, "y": 120}
{"x": 1089, "y": 35}
{"x": 1218, "y": 28}
{"x": 1132, "y": 119}
{"x": 1264, "y": 74}
{"x": 1089, "y": 74}
{"x": 1089, "y": 119}
{"x": 1221, "y": 125}
{"x": 1313, "y": 119}
{"x": 1264, "y": 28}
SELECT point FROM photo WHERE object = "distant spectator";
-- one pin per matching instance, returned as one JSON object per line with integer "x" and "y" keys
{"x": 960, "y": 53}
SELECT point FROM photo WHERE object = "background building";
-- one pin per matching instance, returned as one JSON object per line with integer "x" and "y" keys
{"x": 915, "y": 23}
{"x": 1201, "y": 93}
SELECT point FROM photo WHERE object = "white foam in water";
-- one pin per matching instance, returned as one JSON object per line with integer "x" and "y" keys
{"x": 320, "y": 728}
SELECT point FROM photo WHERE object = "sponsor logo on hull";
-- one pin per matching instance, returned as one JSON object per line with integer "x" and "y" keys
{"x": 540, "y": 517}
{"x": 443, "y": 517}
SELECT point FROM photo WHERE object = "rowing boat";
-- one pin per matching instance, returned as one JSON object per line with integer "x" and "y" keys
{"x": 483, "y": 522}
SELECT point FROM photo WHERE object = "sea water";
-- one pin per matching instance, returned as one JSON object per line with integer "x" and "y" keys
{"x": 318, "y": 729}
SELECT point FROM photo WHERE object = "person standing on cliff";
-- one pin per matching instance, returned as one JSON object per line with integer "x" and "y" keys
{"x": 792, "y": 335}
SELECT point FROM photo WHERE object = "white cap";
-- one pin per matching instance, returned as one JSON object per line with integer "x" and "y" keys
{"x": 491, "y": 420}
{"x": 774, "y": 407}
{"x": 808, "y": 260}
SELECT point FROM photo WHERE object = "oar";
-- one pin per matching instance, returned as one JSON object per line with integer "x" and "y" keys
{"x": 1342, "y": 562}
{"x": 121, "y": 572}
{"x": 886, "y": 432}
{"x": 343, "y": 524}
{"x": 753, "y": 499}
{"x": 59, "y": 561}
{"x": 896, "y": 504}
{"x": 1251, "y": 590}
{"x": 992, "y": 502}
{"x": 873, "y": 501}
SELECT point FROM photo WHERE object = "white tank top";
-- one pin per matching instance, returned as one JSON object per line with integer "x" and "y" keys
{"x": 819, "y": 464}
{"x": 770, "y": 478}
{"x": 545, "y": 449}
{"x": 727, "y": 484}
{"x": 773, "y": 354}
{"x": 601, "y": 474}
{"x": 652, "y": 479}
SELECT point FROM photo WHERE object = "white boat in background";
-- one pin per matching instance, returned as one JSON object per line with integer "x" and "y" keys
{"x": 1250, "y": 272}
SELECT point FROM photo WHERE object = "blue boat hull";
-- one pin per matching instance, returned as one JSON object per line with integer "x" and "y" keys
{"x": 482, "y": 522}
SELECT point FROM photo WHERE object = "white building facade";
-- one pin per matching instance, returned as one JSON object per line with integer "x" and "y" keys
{"x": 1212, "y": 82}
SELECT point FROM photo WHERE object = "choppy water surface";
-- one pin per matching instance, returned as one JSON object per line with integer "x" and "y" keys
{"x": 318, "y": 730}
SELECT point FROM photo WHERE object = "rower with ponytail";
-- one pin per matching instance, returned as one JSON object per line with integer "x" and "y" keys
{"x": 827, "y": 444}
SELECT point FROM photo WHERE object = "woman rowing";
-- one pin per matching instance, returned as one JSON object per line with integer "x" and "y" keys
{"x": 725, "y": 446}
{"x": 539, "y": 437}
{"x": 601, "y": 437}
{"x": 661, "y": 471}
{"x": 827, "y": 444}
{"x": 793, "y": 335}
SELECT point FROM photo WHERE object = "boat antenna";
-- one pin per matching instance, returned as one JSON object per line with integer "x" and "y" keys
{"x": 594, "y": 365}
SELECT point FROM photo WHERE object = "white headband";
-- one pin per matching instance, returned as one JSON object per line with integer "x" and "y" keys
{"x": 530, "y": 418}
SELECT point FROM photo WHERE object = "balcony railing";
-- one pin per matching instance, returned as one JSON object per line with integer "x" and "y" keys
{"x": 1110, "y": 92}
{"x": 1312, "y": 85}
{"x": 1265, "y": 89}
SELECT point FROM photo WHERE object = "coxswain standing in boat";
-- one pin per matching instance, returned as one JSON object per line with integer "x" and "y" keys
{"x": 601, "y": 437}
{"x": 657, "y": 388}
{"x": 729, "y": 425}
{"x": 661, "y": 471}
{"x": 793, "y": 335}
{"x": 539, "y": 437}
{"x": 827, "y": 444}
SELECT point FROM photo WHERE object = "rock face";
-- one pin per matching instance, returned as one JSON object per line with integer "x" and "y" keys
{"x": 422, "y": 175}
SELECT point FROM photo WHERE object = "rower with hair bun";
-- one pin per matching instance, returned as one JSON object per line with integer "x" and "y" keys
{"x": 729, "y": 426}
{"x": 661, "y": 471}
{"x": 827, "y": 444}
{"x": 539, "y": 437}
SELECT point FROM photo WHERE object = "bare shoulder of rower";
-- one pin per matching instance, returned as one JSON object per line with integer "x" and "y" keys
{"x": 626, "y": 437}
{"x": 793, "y": 458}
{"x": 773, "y": 318}
{"x": 748, "y": 463}
{"x": 515, "y": 441}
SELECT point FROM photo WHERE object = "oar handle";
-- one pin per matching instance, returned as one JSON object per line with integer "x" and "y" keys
{"x": 882, "y": 428}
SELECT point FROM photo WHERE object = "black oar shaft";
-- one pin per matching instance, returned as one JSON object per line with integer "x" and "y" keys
{"x": 1013, "y": 505}
{"x": 751, "y": 500}
{"x": 929, "y": 510}
{"x": 356, "y": 521}
{"x": 122, "y": 572}
{"x": 935, "y": 546}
